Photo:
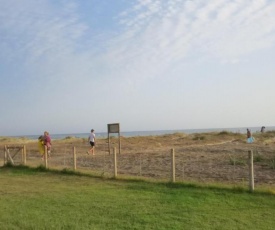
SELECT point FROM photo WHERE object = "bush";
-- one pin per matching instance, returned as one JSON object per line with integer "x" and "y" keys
{"x": 198, "y": 138}
{"x": 223, "y": 133}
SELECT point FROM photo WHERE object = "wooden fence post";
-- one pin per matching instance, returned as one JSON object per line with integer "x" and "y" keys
{"x": 109, "y": 143}
{"x": 251, "y": 170}
{"x": 74, "y": 152}
{"x": 140, "y": 164}
{"x": 46, "y": 156}
{"x": 5, "y": 155}
{"x": 24, "y": 153}
{"x": 119, "y": 143}
{"x": 115, "y": 164}
{"x": 173, "y": 171}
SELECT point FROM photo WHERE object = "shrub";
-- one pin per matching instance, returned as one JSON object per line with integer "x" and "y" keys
{"x": 223, "y": 133}
{"x": 198, "y": 138}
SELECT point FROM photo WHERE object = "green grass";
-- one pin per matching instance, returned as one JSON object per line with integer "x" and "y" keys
{"x": 45, "y": 199}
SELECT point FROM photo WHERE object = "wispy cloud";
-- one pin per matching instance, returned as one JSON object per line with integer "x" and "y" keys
{"x": 153, "y": 35}
{"x": 39, "y": 35}
{"x": 92, "y": 49}
{"x": 161, "y": 32}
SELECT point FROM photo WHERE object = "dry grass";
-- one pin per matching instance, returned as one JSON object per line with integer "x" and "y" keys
{"x": 204, "y": 157}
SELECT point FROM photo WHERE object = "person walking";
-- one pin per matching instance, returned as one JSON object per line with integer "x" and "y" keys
{"x": 47, "y": 142}
{"x": 250, "y": 139}
{"x": 91, "y": 140}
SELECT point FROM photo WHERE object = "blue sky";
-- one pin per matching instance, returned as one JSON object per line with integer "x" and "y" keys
{"x": 67, "y": 66}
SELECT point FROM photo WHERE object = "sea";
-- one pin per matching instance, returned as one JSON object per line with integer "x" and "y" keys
{"x": 150, "y": 133}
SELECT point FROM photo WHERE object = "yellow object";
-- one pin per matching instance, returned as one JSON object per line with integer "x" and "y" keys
{"x": 41, "y": 146}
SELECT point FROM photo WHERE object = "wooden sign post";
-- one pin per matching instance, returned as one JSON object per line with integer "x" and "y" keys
{"x": 114, "y": 128}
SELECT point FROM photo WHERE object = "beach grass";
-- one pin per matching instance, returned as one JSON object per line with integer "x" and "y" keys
{"x": 36, "y": 198}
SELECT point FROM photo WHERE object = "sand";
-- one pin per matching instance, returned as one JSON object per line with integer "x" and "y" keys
{"x": 203, "y": 157}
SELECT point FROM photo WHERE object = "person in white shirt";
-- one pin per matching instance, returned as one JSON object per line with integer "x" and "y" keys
{"x": 91, "y": 140}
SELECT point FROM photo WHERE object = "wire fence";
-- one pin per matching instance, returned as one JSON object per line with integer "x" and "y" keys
{"x": 203, "y": 164}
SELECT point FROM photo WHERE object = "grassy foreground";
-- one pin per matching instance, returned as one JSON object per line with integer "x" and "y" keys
{"x": 33, "y": 199}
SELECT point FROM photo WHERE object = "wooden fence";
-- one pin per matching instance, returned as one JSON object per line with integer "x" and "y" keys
{"x": 174, "y": 166}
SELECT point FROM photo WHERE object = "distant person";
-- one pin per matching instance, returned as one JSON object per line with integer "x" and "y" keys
{"x": 41, "y": 145}
{"x": 250, "y": 139}
{"x": 248, "y": 133}
{"x": 47, "y": 142}
{"x": 262, "y": 129}
{"x": 91, "y": 140}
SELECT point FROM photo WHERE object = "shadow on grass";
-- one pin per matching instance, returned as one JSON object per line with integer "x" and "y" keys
{"x": 22, "y": 169}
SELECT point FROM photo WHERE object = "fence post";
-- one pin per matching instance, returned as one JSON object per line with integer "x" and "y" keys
{"x": 115, "y": 164}
{"x": 173, "y": 171}
{"x": 109, "y": 148}
{"x": 140, "y": 164}
{"x": 251, "y": 170}
{"x": 119, "y": 143}
{"x": 74, "y": 152}
{"x": 46, "y": 156}
{"x": 24, "y": 155}
{"x": 182, "y": 170}
{"x": 5, "y": 155}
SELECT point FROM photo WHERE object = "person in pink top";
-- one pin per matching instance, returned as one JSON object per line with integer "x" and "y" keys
{"x": 47, "y": 142}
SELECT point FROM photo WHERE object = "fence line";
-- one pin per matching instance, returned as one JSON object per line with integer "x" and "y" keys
{"x": 205, "y": 166}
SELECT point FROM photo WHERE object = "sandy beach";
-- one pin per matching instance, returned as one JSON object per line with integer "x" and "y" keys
{"x": 216, "y": 157}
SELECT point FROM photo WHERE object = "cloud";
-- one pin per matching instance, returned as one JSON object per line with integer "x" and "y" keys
{"x": 162, "y": 32}
{"x": 131, "y": 52}
{"x": 39, "y": 34}
{"x": 152, "y": 36}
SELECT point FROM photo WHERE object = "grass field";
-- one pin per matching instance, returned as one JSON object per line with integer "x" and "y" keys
{"x": 31, "y": 198}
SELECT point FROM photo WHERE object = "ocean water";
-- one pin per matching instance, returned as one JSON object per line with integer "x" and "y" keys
{"x": 152, "y": 133}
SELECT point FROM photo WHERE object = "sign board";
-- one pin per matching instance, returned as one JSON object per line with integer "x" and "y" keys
{"x": 113, "y": 128}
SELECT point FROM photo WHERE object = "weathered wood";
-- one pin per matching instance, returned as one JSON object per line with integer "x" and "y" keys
{"x": 9, "y": 157}
{"x": 5, "y": 155}
{"x": 18, "y": 150}
{"x": 115, "y": 164}
{"x": 46, "y": 156}
{"x": 15, "y": 147}
{"x": 173, "y": 170}
{"x": 251, "y": 170}
{"x": 119, "y": 143}
{"x": 109, "y": 143}
{"x": 74, "y": 155}
{"x": 25, "y": 155}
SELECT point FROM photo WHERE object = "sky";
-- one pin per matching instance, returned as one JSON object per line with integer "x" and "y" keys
{"x": 67, "y": 66}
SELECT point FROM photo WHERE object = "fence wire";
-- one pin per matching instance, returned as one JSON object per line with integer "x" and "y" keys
{"x": 199, "y": 164}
